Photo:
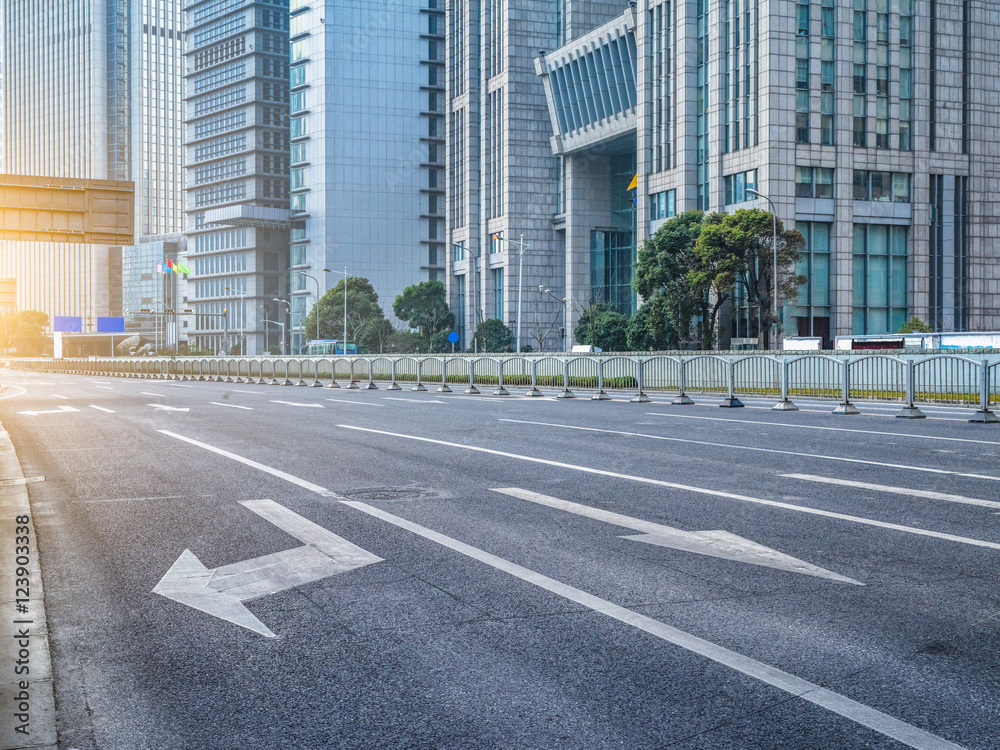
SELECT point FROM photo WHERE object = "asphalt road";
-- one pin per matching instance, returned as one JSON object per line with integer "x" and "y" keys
{"x": 859, "y": 610}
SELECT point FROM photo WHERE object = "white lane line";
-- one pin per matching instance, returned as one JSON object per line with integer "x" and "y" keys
{"x": 234, "y": 391}
{"x": 895, "y": 490}
{"x": 177, "y": 385}
{"x": 721, "y": 544}
{"x": 413, "y": 400}
{"x": 298, "y": 403}
{"x": 20, "y": 480}
{"x": 757, "y": 448}
{"x": 865, "y": 413}
{"x": 56, "y": 395}
{"x": 828, "y": 429}
{"x": 689, "y": 488}
{"x": 839, "y": 704}
{"x": 356, "y": 403}
{"x": 147, "y": 393}
{"x": 248, "y": 408}
{"x": 105, "y": 387}
{"x": 274, "y": 472}
{"x": 101, "y": 408}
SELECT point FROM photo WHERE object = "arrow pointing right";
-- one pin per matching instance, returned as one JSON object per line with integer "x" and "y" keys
{"x": 712, "y": 543}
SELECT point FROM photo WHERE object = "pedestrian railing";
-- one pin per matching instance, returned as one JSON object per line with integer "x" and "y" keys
{"x": 971, "y": 379}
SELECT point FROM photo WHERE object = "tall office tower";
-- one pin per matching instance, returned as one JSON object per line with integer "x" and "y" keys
{"x": 62, "y": 114}
{"x": 368, "y": 142}
{"x": 506, "y": 211}
{"x": 867, "y": 123}
{"x": 237, "y": 164}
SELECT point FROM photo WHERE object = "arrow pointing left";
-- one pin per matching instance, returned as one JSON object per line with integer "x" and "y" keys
{"x": 169, "y": 408}
{"x": 220, "y": 592}
{"x": 60, "y": 410}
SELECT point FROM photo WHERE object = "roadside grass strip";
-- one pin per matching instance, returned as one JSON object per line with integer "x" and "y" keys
{"x": 841, "y": 705}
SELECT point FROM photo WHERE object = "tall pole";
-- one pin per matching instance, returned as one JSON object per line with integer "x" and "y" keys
{"x": 317, "y": 300}
{"x": 520, "y": 276}
{"x": 774, "y": 248}
{"x": 345, "y": 311}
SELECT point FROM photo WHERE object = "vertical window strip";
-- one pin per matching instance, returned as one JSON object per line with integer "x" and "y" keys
{"x": 932, "y": 104}
{"x": 701, "y": 106}
{"x": 905, "y": 75}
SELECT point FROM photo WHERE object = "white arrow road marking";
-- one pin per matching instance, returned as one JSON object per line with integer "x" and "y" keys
{"x": 231, "y": 406}
{"x": 101, "y": 408}
{"x": 221, "y": 592}
{"x": 795, "y": 686}
{"x": 105, "y": 387}
{"x": 147, "y": 393}
{"x": 297, "y": 403}
{"x": 64, "y": 398}
{"x": 712, "y": 543}
{"x": 60, "y": 410}
{"x": 929, "y": 494}
{"x": 25, "y": 480}
{"x": 686, "y": 487}
{"x": 169, "y": 408}
{"x": 357, "y": 403}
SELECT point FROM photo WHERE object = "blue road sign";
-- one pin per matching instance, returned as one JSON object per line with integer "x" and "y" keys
{"x": 67, "y": 324}
{"x": 453, "y": 337}
{"x": 110, "y": 325}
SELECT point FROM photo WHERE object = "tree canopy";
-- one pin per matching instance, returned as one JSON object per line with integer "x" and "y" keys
{"x": 364, "y": 315}
{"x": 603, "y": 326}
{"x": 425, "y": 306}
{"x": 24, "y": 330}
{"x": 493, "y": 336}
{"x": 650, "y": 329}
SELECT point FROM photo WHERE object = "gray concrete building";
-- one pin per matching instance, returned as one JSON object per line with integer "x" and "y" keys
{"x": 367, "y": 148}
{"x": 236, "y": 99}
{"x": 870, "y": 125}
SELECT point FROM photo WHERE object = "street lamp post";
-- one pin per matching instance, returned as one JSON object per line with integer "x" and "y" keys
{"x": 317, "y": 301}
{"x": 774, "y": 246}
{"x": 521, "y": 247}
{"x": 475, "y": 280}
{"x": 543, "y": 290}
{"x": 288, "y": 319}
{"x": 346, "y": 277}
{"x": 243, "y": 338}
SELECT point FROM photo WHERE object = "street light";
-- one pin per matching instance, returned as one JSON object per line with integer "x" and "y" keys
{"x": 774, "y": 245}
{"x": 317, "y": 300}
{"x": 521, "y": 247}
{"x": 288, "y": 319}
{"x": 243, "y": 338}
{"x": 475, "y": 279}
{"x": 543, "y": 290}
{"x": 346, "y": 277}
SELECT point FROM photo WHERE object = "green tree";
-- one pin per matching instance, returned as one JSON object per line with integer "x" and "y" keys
{"x": 586, "y": 326}
{"x": 603, "y": 326}
{"x": 29, "y": 335}
{"x": 650, "y": 329}
{"x": 8, "y": 328}
{"x": 914, "y": 325}
{"x": 493, "y": 336}
{"x": 667, "y": 264}
{"x": 743, "y": 250}
{"x": 363, "y": 313}
{"x": 424, "y": 306}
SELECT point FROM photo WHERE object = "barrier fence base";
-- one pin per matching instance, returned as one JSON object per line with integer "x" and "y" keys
{"x": 784, "y": 405}
{"x": 682, "y": 400}
{"x": 731, "y": 403}
{"x": 641, "y": 398}
{"x": 418, "y": 387}
{"x": 533, "y": 392}
{"x": 910, "y": 412}
{"x": 985, "y": 416}
{"x": 394, "y": 387}
{"x": 333, "y": 384}
{"x": 472, "y": 390}
{"x": 316, "y": 384}
{"x": 501, "y": 391}
{"x": 847, "y": 408}
{"x": 354, "y": 385}
{"x": 371, "y": 386}
{"x": 600, "y": 396}
{"x": 444, "y": 389}
{"x": 566, "y": 394}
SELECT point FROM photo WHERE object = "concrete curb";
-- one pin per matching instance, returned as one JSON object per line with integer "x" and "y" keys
{"x": 37, "y": 682}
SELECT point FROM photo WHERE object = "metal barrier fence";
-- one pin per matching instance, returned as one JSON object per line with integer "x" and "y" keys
{"x": 971, "y": 379}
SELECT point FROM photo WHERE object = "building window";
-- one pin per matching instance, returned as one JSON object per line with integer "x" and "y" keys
{"x": 298, "y": 127}
{"x": 879, "y": 278}
{"x": 813, "y": 182}
{"x": 298, "y": 202}
{"x": 298, "y": 177}
{"x": 737, "y": 184}
{"x": 498, "y": 293}
{"x": 811, "y": 308}
{"x": 458, "y": 251}
{"x": 496, "y": 243}
{"x": 881, "y": 186}
{"x": 663, "y": 205}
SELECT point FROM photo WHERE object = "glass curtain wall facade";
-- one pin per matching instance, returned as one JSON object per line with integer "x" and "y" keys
{"x": 237, "y": 163}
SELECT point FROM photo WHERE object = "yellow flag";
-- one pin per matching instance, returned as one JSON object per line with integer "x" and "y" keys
{"x": 635, "y": 182}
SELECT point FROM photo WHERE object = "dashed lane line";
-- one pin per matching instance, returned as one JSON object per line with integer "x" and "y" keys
{"x": 101, "y": 408}
{"x": 248, "y": 408}
{"x": 930, "y": 495}
{"x": 759, "y": 449}
{"x": 689, "y": 488}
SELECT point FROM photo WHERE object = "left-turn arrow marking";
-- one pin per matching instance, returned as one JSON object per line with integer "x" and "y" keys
{"x": 221, "y": 592}
{"x": 60, "y": 410}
